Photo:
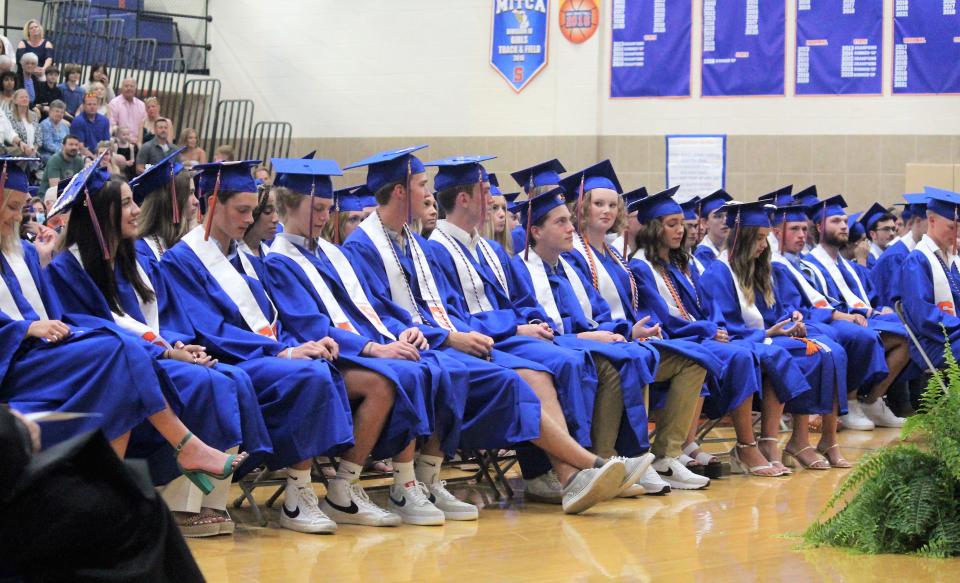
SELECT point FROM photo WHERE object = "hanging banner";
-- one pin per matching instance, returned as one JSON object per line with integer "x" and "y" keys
{"x": 926, "y": 46}
{"x": 579, "y": 19}
{"x": 839, "y": 47}
{"x": 518, "y": 40}
{"x": 650, "y": 52}
{"x": 698, "y": 163}
{"x": 743, "y": 47}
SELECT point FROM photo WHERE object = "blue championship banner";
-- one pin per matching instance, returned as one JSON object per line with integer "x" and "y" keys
{"x": 926, "y": 46}
{"x": 839, "y": 47}
{"x": 650, "y": 52}
{"x": 743, "y": 47}
{"x": 518, "y": 40}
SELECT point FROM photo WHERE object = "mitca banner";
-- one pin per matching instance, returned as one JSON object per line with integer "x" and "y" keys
{"x": 518, "y": 46}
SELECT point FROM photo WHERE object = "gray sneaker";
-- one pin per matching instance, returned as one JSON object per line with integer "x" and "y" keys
{"x": 589, "y": 487}
{"x": 545, "y": 488}
{"x": 634, "y": 469}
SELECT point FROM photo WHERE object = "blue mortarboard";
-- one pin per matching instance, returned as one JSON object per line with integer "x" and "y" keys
{"x": 780, "y": 197}
{"x": 690, "y": 208}
{"x": 390, "y": 166}
{"x": 306, "y": 176}
{"x": 633, "y": 196}
{"x": 830, "y": 207}
{"x": 16, "y": 176}
{"x": 233, "y": 176}
{"x": 91, "y": 179}
{"x": 543, "y": 174}
{"x": 157, "y": 176}
{"x": 917, "y": 202}
{"x": 807, "y": 196}
{"x": 748, "y": 214}
{"x": 540, "y": 205}
{"x": 855, "y": 228}
{"x": 656, "y": 205}
{"x": 494, "y": 185}
{"x": 459, "y": 171}
{"x": 793, "y": 213}
{"x": 511, "y": 198}
{"x": 350, "y": 199}
{"x": 869, "y": 218}
{"x": 713, "y": 201}
{"x": 943, "y": 202}
{"x": 600, "y": 175}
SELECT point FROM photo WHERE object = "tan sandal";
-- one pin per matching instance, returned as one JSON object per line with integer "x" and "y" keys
{"x": 738, "y": 466}
{"x": 841, "y": 463}
{"x": 793, "y": 460}
{"x": 221, "y": 518}
{"x": 785, "y": 471}
{"x": 195, "y": 525}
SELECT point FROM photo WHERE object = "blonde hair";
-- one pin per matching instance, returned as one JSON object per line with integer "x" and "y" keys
{"x": 26, "y": 28}
{"x": 185, "y": 135}
{"x": 618, "y": 225}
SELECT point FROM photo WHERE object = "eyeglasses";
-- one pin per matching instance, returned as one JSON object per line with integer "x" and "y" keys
{"x": 886, "y": 229}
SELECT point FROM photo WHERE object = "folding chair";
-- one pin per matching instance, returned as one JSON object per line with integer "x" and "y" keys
{"x": 931, "y": 370}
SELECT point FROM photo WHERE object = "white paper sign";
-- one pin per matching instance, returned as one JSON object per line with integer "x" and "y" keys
{"x": 697, "y": 164}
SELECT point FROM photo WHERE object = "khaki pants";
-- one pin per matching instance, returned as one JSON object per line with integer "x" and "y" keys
{"x": 686, "y": 379}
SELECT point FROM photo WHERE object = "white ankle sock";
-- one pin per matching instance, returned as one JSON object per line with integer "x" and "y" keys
{"x": 296, "y": 479}
{"x": 338, "y": 487}
{"x": 403, "y": 474}
{"x": 427, "y": 468}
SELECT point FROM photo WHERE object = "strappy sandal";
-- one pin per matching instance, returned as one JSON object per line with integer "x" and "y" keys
{"x": 691, "y": 464}
{"x": 711, "y": 464}
{"x": 222, "y": 519}
{"x": 793, "y": 460}
{"x": 196, "y": 525}
{"x": 737, "y": 466}
{"x": 841, "y": 463}
{"x": 201, "y": 478}
{"x": 784, "y": 470}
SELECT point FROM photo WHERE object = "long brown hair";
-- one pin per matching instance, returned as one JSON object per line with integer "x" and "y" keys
{"x": 650, "y": 239}
{"x": 754, "y": 275}
{"x": 156, "y": 214}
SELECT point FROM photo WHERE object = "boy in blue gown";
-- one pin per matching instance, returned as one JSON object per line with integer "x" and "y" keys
{"x": 885, "y": 274}
{"x": 534, "y": 180}
{"x": 714, "y": 227}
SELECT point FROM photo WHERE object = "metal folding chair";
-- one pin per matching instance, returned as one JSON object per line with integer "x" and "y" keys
{"x": 931, "y": 369}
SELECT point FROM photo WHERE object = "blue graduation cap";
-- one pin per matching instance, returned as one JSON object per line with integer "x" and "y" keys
{"x": 917, "y": 202}
{"x": 15, "y": 176}
{"x": 87, "y": 182}
{"x": 748, "y": 214}
{"x": 306, "y": 176}
{"x": 943, "y": 202}
{"x": 350, "y": 199}
{"x": 633, "y": 196}
{"x": 690, "y": 208}
{"x": 807, "y": 196}
{"x": 793, "y": 213}
{"x": 542, "y": 174}
{"x": 533, "y": 209}
{"x": 156, "y": 177}
{"x": 600, "y": 175}
{"x": 233, "y": 176}
{"x": 780, "y": 197}
{"x": 830, "y": 207}
{"x": 713, "y": 201}
{"x": 855, "y": 227}
{"x": 390, "y": 166}
{"x": 459, "y": 171}
{"x": 494, "y": 184}
{"x": 656, "y": 205}
{"x": 870, "y": 217}
{"x": 511, "y": 198}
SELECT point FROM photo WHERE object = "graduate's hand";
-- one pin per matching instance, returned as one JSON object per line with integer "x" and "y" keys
{"x": 779, "y": 329}
{"x": 414, "y": 335}
{"x": 641, "y": 331}
{"x": 198, "y": 353}
{"x": 796, "y": 316}
{"x": 604, "y": 336}
{"x": 399, "y": 350}
{"x": 310, "y": 350}
{"x": 45, "y": 243}
{"x": 332, "y": 347}
{"x": 539, "y": 331}
{"x": 885, "y": 310}
{"x": 857, "y": 319}
{"x": 51, "y": 330}
{"x": 33, "y": 428}
{"x": 473, "y": 343}
{"x": 722, "y": 335}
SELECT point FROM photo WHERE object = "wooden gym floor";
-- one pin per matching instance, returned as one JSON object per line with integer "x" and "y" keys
{"x": 734, "y": 531}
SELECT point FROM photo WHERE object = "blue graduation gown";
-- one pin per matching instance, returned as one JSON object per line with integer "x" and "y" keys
{"x": 501, "y": 410}
{"x": 923, "y": 315}
{"x": 304, "y": 402}
{"x": 436, "y": 385}
{"x": 519, "y": 236}
{"x": 705, "y": 255}
{"x": 885, "y": 273}
{"x": 92, "y": 371}
{"x": 219, "y": 404}
{"x": 807, "y": 384}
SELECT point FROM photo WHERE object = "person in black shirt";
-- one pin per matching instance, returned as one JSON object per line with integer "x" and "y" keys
{"x": 48, "y": 92}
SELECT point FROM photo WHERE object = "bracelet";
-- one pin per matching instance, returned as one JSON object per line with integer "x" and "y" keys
{"x": 289, "y": 352}
{"x": 165, "y": 355}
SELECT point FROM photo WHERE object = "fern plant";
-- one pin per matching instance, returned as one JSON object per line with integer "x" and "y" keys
{"x": 905, "y": 498}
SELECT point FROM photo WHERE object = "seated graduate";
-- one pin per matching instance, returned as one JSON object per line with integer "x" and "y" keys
{"x": 499, "y": 222}
{"x": 128, "y": 294}
{"x": 692, "y": 232}
{"x": 400, "y": 272}
{"x": 348, "y": 217}
{"x": 624, "y": 242}
{"x": 477, "y": 271}
{"x": 808, "y": 198}
{"x": 306, "y": 402}
{"x": 547, "y": 288}
{"x": 50, "y": 365}
{"x": 836, "y": 278}
{"x": 601, "y": 267}
{"x": 881, "y": 228}
{"x": 714, "y": 227}
{"x": 311, "y": 283}
{"x": 534, "y": 181}
{"x": 857, "y": 248}
{"x": 885, "y": 274}
{"x": 171, "y": 198}
{"x": 668, "y": 287}
{"x": 930, "y": 281}
{"x": 75, "y": 512}
{"x": 803, "y": 375}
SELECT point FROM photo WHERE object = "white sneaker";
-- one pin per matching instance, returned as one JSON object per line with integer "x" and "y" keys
{"x": 881, "y": 415}
{"x": 545, "y": 488}
{"x": 591, "y": 486}
{"x": 452, "y": 508}
{"x": 413, "y": 505}
{"x": 634, "y": 469}
{"x": 653, "y": 484}
{"x": 361, "y": 510}
{"x": 855, "y": 419}
{"x": 677, "y": 476}
{"x": 306, "y": 515}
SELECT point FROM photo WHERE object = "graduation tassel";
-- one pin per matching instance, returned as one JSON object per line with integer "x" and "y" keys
{"x": 584, "y": 234}
{"x": 526, "y": 239}
{"x": 483, "y": 203}
{"x": 211, "y": 207}
{"x": 96, "y": 224}
{"x": 409, "y": 197}
{"x": 173, "y": 196}
{"x": 310, "y": 240}
{"x": 783, "y": 233}
{"x": 736, "y": 233}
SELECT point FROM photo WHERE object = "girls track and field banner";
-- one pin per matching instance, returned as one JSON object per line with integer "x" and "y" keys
{"x": 839, "y": 47}
{"x": 518, "y": 40}
{"x": 650, "y": 52}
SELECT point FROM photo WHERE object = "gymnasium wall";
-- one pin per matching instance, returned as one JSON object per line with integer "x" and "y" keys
{"x": 365, "y": 75}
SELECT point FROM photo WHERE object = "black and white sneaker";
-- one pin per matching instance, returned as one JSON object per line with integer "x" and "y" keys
{"x": 452, "y": 507}
{"x": 306, "y": 515}
{"x": 634, "y": 469}
{"x": 412, "y": 504}
{"x": 677, "y": 476}
{"x": 653, "y": 484}
{"x": 361, "y": 510}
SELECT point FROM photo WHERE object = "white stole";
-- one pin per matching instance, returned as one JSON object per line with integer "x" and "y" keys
{"x": 154, "y": 244}
{"x": 942, "y": 294}
{"x": 849, "y": 297}
{"x": 348, "y": 276}
{"x": 471, "y": 282}
{"x": 875, "y": 251}
{"x": 817, "y": 299}
{"x": 608, "y": 288}
{"x": 493, "y": 260}
{"x": 541, "y": 286}
{"x": 231, "y": 282}
{"x": 245, "y": 263}
{"x": 748, "y": 308}
{"x": 27, "y": 284}
{"x": 696, "y": 264}
{"x": 662, "y": 286}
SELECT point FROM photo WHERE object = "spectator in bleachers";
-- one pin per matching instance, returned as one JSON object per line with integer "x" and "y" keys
{"x": 128, "y": 150}
{"x": 152, "y": 104}
{"x": 261, "y": 174}
{"x": 65, "y": 163}
{"x": 25, "y": 122}
{"x": 34, "y": 43}
{"x": 53, "y": 130}
{"x": 100, "y": 92}
{"x": 91, "y": 127}
{"x": 71, "y": 90}
{"x": 112, "y": 160}
{"x": 128, "y": 111}
{"x": 9, "y": 138}
{"x": 6, "y": 50}
{"x": 7, "y": 64}
{"x": 224, "y": 153}
{"x": 8, "y": 84}
{"x": 99, "y": 74}
{"x": 27, "y": 77}
{"x": 157, "y": 148}
{"x": 48, "y": 92}
{"x": 193, "y": 154}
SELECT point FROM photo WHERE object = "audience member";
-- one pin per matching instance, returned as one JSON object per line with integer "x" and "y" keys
{"x": 152, "y": 105}
{"x": 99, "y": 74}
{"x": 48, "y": 92}
{"x": 193, "y": 153}
{"x": 157, "y": 148}
{"x": 91, "y": 127}
{"x": 65, "y": 163}
{"x": 71, "y": 90}
{"x": 127, "y": 150}
{"x": 7, "y": 64}
{"x": 98, "y": 90}
{"x": 126, "y": 110}
{"x": 25, "y": 123}
{"x": 53, "y": 130}
{"x": 8, "y": 84}
{"x": 224, "y": 153}
{"x": 261, "y": 174}
{"x": 28, "y": 76}
{"x": 6, "y": 50}
{"x": 34, "y": 43}
{"x": 10, "y": 139}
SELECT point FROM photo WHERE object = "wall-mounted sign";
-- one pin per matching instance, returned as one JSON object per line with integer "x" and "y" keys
{"x": 518, "y": 40}
{"x": 579, "y": 19}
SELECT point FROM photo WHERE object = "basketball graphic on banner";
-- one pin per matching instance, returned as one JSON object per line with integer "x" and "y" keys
{"x": 579, "y": 19}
